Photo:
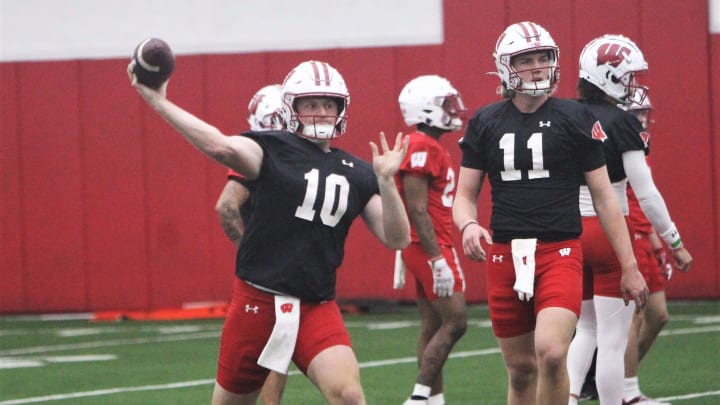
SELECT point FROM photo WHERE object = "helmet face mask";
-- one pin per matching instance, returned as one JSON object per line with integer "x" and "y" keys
{"x": 265, "y": 109}
{"x": 433, "y": 101}
{"x": 314, "y": 79}
{"x": 524, "y": 38}
{"x": 612, "y": 63}
{"x": 641, "y": 107}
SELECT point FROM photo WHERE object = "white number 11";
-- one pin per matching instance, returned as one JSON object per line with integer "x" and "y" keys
{"x": 534, "y": 143}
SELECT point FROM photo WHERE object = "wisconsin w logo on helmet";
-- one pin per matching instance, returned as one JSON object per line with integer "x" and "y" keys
{"x": 612, "y": 54}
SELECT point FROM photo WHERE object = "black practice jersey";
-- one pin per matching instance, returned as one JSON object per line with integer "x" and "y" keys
{"x": 535, "y": 163}
{"x": 304, "y": 201}
{"x": 624, "y": 132}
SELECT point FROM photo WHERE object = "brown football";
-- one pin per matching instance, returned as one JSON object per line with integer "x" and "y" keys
{"x": 153, "y": 62}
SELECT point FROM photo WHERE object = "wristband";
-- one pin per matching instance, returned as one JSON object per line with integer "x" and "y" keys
{"x": 672, "y": 238}
{"x": 468, "y": 223}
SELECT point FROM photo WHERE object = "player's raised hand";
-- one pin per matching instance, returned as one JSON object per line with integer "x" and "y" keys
{"x": 387, "y": 164}
{"x": 148, "y": 93}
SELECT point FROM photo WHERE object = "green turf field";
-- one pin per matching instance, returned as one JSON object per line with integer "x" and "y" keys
{"x": 81, "y": 362}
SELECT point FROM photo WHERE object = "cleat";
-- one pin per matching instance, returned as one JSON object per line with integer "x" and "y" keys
{"x": 643, "y": 400}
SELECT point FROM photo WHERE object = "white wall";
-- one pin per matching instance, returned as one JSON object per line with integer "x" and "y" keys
{"x": 79, "y": 29}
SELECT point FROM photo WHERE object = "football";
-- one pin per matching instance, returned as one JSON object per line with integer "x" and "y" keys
{"x": 152, "y": 62}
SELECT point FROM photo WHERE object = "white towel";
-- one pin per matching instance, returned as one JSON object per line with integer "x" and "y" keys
{"x": 279, "y": 349}
{"x": 523, "y": 254}
{"x": 399, "y": 271}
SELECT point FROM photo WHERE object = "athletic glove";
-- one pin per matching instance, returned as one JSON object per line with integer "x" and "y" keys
{"x": 665, "y": 268}
{"x": 443, "y": 279}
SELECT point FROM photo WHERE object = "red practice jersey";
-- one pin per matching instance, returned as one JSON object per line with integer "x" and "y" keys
{"x": 427, "y": 158}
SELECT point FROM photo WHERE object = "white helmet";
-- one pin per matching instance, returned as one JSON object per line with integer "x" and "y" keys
{"x": 522, "y": 38}
{"x": 611, "y": 62}
{"x": 314, "y": 79}
{"x": 265, "y": 109}
{"x": 433, "y": 101}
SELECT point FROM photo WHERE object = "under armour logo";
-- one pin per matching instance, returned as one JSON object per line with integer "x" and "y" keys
{"x": 564, "y": 252}
{"x": 346, "y": 163}
{"x": 542, "y": 124}
{"x": 286, "y": 308}
{"x": 497, "y": 258}
{"x": 254, "y": 309}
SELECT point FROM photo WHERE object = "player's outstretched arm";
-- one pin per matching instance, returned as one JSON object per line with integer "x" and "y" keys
{"x": 239, "y": 153}
{"x": 385, "y": 214}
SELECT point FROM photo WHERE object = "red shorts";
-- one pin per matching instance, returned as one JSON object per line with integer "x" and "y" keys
{"x": 647, "y": 262}
{"x": 601, "y": 268}
{"x": 558, "y": 283}
{"x": 249, "y": 323}
{"x": 416, "y": 262}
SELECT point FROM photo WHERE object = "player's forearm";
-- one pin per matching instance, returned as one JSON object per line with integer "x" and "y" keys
{"x": 231, "y": 223}
{"x": 396, "y": 225}
{"x": 199, "y": 133}
{"x": 463, "y": 211}
{"x": 424, "y": 229}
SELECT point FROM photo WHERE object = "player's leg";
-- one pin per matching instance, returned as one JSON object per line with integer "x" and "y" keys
{"x": 221, "y": 396}
{"x": 336, "y": 373}
{"x": 430, "y": 322}
{"x": 656, "y": 316}
{"x": 442, "y": 321}
{"x": 552, "y": 338}
{"x": 558, "y": 298}
{"x": 582, "y": 349}
{"x": 273, "y": 388}
{"x": 613, "y": 324}
{"x": 451, "y": 312}
{"x": 324, "y": 353}
{"x": 239, "y": 378}
{"x": 520, "y": 363}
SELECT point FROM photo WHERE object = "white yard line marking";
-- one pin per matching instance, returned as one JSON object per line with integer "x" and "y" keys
{"x": 108, "y": 343}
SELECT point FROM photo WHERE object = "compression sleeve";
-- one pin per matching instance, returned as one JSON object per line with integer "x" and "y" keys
{"x": 651, "y": 202}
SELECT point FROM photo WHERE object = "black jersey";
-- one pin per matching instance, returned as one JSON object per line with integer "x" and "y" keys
{"x": 535, "y": 163}
{"x": 304, "y": 201}
{"x": 624, "y": 132}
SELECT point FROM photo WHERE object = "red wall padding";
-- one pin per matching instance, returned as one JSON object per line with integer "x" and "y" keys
{"x": 104, "y": 206}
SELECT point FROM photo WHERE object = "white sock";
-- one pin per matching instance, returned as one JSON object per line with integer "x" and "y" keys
{"x": 421, "y": 392}
{"x": 582, "y": 347}
{"x": 631, "y": 388}
{"x": 437, "y": 399}
{"x": 613, "y": 324}
{"x": 573, "y": 401}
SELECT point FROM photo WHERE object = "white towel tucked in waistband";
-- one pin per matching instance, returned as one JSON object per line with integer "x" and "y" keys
{"x": 279, "y": 349}
{"x": 523, "y": 254}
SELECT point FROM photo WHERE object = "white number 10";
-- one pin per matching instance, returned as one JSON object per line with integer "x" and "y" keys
{"x": 337, "y": 189}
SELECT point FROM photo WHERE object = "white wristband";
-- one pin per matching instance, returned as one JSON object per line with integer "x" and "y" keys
{"x": 672, "y": 238}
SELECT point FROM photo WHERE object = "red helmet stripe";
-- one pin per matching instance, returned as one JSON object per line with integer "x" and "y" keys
{"x": 321, "y": 77}
{"x": 526, "y": 30}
